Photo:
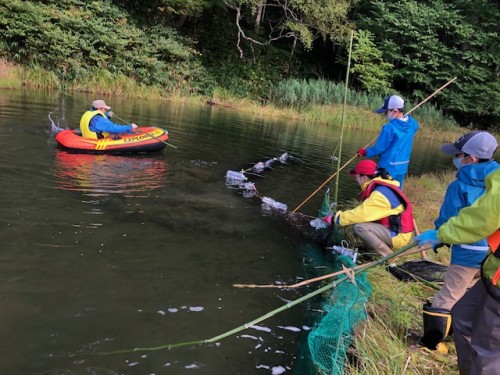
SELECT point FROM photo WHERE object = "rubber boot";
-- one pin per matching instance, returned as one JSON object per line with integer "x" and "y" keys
{"x": 437, "y": 324}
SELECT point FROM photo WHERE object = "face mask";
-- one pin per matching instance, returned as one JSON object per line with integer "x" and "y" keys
{"x": 457, "y": 162}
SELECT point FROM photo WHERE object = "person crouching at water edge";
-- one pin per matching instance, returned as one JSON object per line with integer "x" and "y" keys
{"x": 95, "y": 123}
{"x": 384, "y": 219}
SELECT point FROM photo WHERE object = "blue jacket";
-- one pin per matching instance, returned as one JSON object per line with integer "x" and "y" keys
{"x": 102, "y": 124}
{"x": 463, "y": 192}
{"x": 394, "y": 145}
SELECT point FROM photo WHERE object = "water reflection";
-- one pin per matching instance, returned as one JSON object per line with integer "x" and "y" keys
{"x": 108, "y": 174}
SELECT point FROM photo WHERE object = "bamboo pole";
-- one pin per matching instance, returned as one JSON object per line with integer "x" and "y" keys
{"x": 373, "y": 140}
{"x": 324, "y": 277}
{"x": 335, "y": 197}
{"x": 259, "y": 319}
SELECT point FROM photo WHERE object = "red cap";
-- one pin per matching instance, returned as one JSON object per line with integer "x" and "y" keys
{"x": 365, "y": 167}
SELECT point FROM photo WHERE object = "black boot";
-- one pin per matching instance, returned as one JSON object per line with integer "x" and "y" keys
{"x": 437, "y": 324}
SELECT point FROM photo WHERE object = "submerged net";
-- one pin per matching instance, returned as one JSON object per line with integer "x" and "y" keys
{"x": 330, "y": 339}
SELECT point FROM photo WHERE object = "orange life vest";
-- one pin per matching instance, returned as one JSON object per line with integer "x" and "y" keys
{"x": 402, "y": 223}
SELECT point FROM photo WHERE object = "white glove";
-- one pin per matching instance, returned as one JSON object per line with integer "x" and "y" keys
{"x": 134, "y": 126}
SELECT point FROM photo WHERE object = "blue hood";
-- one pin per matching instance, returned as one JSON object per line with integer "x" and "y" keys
{"x": 407, "y": 126}
{"x": 475, "y": 174}
{"x": 394, "y": 145}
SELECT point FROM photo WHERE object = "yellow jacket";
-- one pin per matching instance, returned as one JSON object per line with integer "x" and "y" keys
{"x": 377, "y": 206}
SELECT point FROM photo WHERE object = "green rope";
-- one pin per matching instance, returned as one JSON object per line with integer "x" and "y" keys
{"x": 260, "y": 319}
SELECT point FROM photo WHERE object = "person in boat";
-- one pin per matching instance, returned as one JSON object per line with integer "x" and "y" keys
{"x": 473, "y": 153}
{"x": 395, "y": 141}
{"x": 96, "y": 124}
{"x": 476, "y": 316}
{"x": 384, "y": 219}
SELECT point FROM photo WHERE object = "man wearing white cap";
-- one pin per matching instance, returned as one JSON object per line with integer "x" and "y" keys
{"x": 95, "y": 124}
{"x": 395, "y": 141}
{"x": 473, "y": 157}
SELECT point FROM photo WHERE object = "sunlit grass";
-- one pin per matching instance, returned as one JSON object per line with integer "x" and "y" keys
{"x": 37, "y": 77}
{"x": 9, "y": 75}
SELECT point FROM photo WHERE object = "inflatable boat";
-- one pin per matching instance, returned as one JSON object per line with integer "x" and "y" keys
{"x": 144, "y": 139}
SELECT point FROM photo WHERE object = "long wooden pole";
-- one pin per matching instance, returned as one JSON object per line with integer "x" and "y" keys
{"x": 373, "y": 140}
{"x": 336, "y": 194}
{"x": 263, "y": 317}
{"x": 323, "y": 277}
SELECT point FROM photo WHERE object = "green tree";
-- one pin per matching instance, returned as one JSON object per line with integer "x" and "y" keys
{"x": 368, "y": 66}
{"x": 429, "y": 42}
{"x": 301, "y": 21}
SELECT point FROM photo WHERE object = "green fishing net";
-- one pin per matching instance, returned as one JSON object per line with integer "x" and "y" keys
{"x": 329, "y": 341}
{"x": 333, "y": 315}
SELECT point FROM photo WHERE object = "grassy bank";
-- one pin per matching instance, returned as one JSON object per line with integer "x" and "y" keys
{"x": 387, "y": 343}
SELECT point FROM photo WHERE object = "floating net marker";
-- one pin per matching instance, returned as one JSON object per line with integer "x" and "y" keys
{"x": 269, "y": 204}
{"x": 234, "y": 178}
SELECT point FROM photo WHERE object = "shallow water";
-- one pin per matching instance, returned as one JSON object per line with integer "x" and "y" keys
{"x": 103, "y": 253}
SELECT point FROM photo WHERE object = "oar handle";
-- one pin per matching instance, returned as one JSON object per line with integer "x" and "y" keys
{"x": 143, "y": 132}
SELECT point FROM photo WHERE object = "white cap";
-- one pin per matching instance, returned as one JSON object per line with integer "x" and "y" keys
{"x": 477, "y": 143}
{"x": 391, "y": 102}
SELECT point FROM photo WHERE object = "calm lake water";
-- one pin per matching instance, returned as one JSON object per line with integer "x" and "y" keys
{"x": 102, "y": 253}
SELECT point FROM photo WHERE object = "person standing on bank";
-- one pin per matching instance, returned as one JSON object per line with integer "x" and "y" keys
{"x": 384, "y": 219}
{"x": 395, "y": 141}
{"x": 96, "y": 124}
{"x": 476, "y": 316}
{"x": 473, "y": 153}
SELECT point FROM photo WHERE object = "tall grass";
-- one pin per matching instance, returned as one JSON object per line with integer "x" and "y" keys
{"x": 37, "y": 77}
{"x": 318, "y": 102}
{"x": 302, "y": 94}
{"x": 9, "y": 74}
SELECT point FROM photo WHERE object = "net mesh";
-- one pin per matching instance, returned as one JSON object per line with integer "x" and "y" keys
{"x": 331, "y": 337}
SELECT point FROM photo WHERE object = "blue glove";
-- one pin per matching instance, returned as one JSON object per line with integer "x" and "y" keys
{"x": 428, "y": 237}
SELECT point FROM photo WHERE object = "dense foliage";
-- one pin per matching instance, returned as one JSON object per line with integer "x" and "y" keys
{"x": 79, "y": 38}
{"x": 430, "y": 41}
{"x": 254, "y": 47}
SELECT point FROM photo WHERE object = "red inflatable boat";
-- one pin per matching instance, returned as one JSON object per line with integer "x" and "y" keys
{"x": 145, "y": 139}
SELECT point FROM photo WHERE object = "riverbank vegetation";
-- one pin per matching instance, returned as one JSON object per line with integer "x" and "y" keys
{"x": 272, "y": 54}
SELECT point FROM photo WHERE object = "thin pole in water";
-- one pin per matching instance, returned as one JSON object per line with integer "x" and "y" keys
{"x": 343, "y": 119}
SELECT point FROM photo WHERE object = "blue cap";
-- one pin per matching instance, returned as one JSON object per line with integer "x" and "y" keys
{"x": 391, "y": 102}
